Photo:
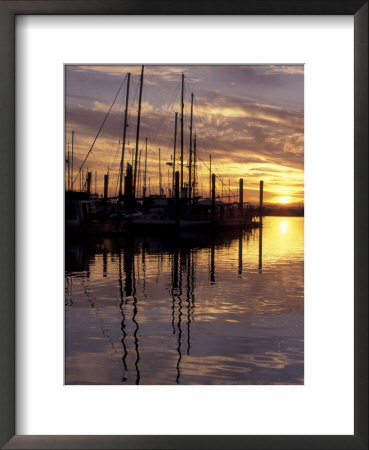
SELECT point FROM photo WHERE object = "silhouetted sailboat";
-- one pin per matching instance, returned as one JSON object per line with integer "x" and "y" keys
{"x": 182, "y": 209}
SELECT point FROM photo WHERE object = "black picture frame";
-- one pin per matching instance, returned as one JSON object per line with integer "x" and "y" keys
{"x": 8, "y": 12}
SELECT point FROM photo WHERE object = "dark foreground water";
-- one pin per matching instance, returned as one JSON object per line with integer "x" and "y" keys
{"x": 194, "y": 309}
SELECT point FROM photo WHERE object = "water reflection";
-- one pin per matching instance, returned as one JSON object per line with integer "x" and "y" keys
{"x": 190, "y": 309}
{"x": 261, "y": 249}
{"x": 123, "y": 325}
{"x": 284, "y": 226}
{"x": 212, "y": 261}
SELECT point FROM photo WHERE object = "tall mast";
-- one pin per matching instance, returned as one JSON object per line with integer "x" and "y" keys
{"x": 144, "y": 188}
{"x": 124, "y": 139}
{"x": 190, "y": 158}
{"x": 174, "y": 150}
{"x": 182, "y": 106}
{"x": 139, "y": 175}
{"x": 72, "y": 160}
{"x": 138, "y": 132}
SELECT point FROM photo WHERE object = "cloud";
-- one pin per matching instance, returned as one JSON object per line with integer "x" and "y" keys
{"x": 291, "y": 70}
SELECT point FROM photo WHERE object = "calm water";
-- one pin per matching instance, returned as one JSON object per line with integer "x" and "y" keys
{"x": 224, "y": 309}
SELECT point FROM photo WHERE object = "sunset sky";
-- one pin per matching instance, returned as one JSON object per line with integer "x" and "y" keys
{"x": 249, "y": 118}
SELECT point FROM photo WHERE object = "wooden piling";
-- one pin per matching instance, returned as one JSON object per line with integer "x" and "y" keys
{"x": 261, "y": 199}
{"x": 240, "y": 204}
{"x": 106, "y": 186}
{"x": 129, "y": 188}
{"x": 89, "y": 178}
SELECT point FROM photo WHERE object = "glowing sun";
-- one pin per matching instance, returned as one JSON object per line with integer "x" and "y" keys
{"x": 284, "y": 200}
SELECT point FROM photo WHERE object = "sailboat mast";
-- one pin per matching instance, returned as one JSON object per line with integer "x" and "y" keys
{"x": 174, "y": 151}
{"x": 182, "y": 106}
{"x": 138, "y": 132}
{"x": 139, "y": 175}
{"x": 190, "y": 158}
{"x": 144, "y": 188}
{"x": 124, "y": 139}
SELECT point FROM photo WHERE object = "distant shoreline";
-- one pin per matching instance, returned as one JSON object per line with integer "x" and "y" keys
{"x": 287, "y": 212}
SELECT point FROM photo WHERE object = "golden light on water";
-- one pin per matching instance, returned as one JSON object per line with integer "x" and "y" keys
{"x": 213, "y": 297}
{"x": 284, "y": 226}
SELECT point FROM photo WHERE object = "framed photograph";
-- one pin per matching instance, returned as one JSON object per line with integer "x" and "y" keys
{"x": 184, "y": 227}
{"x": 157, "y": 242}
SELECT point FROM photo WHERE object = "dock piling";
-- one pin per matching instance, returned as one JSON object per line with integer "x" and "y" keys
{"x": 240, "y": 204}
{"x": 129, "y": 197}
{"x": 89, "y": 178}
{"x": 106, "y": 186}
{"x": 261, "y": 200}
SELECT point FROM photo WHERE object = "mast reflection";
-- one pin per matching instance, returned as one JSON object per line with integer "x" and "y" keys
{"x": 189, "y": 297}
{"x": 174, "y": 287}
{"x": 182, "y": 266}
{"x": 135, "y": 333}
{"x": 130, "y": 291}
{"x": 240, "y": 254}
{"x": 212, "y": 259}
{"x": 123, "y": 325}
{"x": 139, "y": 333}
